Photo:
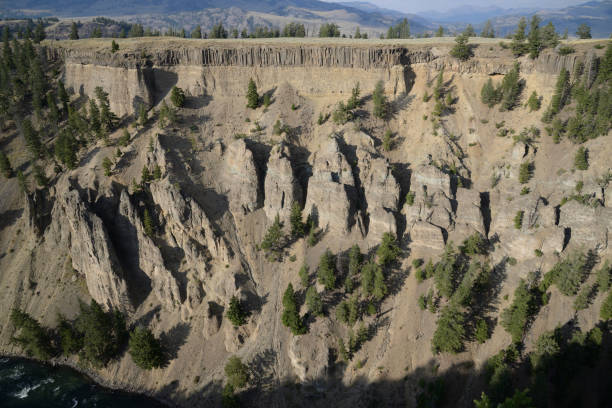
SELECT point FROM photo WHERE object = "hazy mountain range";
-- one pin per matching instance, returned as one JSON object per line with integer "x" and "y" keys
{"x": 349, "y": 15}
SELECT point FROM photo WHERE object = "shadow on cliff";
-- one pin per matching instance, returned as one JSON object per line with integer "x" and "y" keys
{"x": 174, "y": 339}
{"x": 163, "y": 81}
{"x": 9, "y": 218}
{"x": 576, "y": 374}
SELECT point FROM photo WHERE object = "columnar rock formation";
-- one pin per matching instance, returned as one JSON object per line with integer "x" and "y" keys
{"x": 240, "y": 179}
{"x": 281, "y": 187}
{"x": 331, "y": 189}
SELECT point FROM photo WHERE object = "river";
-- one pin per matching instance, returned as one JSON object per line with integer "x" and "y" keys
{"x": 25, "y": 383}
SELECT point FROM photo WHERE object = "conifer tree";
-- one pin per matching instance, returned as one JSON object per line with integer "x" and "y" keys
{"x": 147, "y": 223}
{"x": 107, "y": 164}
{"x": 489, "y": 95}
{"x": 291, "y": 317}
{"x": 235, "y": 313}
{"x": 297, "y": 225}
{"x": 145, "y": 349}
{"x": 177, "y": 97}
{"x": 313, "y": 301}
{"x": 39, "y": 176}
{"x": 380, "y": 101}
{"x": 197, "y": 32}
{"x": 355, "y": 259}
{"x": 114, "y": 47}
{"x": 142, "y": 115}
{"x": 63, "y": 96}
{"x": 380, "y": 289}
{"x": 5, "y": 166}
{"x": 252, "y": 95}
{"x": 272, "y": 239}
{"x": 533, "y": 102}
{"x": 23, "y": 182}
{"x": 518, "y": 45}
{"x": 74, "y": 31}
{"x": 534, "y": 40}
{"x": 581, "y": 159}
{"x": 53, "y": 111}
{"x": 326, "y": 271}
{"x": 94, "y": 117}
{"x": 303, "y": 274}
{"x": 487, "y": 31}
{"x": 440, "y": 32}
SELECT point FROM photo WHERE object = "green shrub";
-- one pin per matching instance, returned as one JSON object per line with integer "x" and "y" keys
{"x": 569, "y": 273}
{"x": 304, "y": 277}
{"x": 533, "y": 103}
{"x": 475, "y": 244}
{"x": 525, "y": 172}
{"x": 605, "y": 313}
{"x": 313, "y": 301}
{"x": 410, "y": 198}
{"x": 566, "y": 50}
{"x": 177, "y": 97}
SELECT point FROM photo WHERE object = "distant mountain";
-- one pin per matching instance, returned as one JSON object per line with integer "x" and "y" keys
{"x": 238, "y": 13}
{"x": 596, "y": 14}
{"x": 471, "y": 14}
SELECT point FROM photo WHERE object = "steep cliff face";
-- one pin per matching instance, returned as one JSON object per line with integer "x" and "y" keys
{"x": 222, "y": 174}
{"x": 144, "y": 74}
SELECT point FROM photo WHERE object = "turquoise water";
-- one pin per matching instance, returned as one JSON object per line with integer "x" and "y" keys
{"x": 25, "y": 383}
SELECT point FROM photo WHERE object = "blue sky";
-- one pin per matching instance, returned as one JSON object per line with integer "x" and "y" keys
{"x": 411, "y": 6}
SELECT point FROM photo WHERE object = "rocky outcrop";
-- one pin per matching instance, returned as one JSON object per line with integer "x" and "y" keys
{"x": 75, "y": 226}
{"x": 431, "y": 189}
{"x": 187, "y": 225}
{"x": 588, "y": 227}
{"x": 426, "y": 236}
{"x": 309, "y": 354}
{"x": 281, "y": 187}
{"x": 469, "y": 215}
{"x": 381, "y": 192}
{"x": 150, "y": 260}
{"x": 240, "y": 179}
{"x": 331, "y": 190}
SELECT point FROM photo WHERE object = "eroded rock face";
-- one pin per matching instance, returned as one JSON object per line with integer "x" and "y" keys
{"x": 281, "y": 186}
{"x": 587, "y": 226}
{"x": 469, "y": 215}
{"x": 432, "y": 191}
{"x": 381, "y": 192}
{"x": 150, "y": 260}
{"x": 329, "y": 199}
{"x": 91, "y": 250}
{"x": 309, "y": 354}
{"x": 426, "y": 236}
{"x": 187, "y": 224}
{"x": 240, "y": 179}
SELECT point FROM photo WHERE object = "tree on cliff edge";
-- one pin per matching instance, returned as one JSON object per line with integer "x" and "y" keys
{"x": 74, "y": 32}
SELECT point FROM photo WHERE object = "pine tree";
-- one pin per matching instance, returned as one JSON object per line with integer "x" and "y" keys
{"x": 142, "y": 115}
{"x": 107, "y": 118}
{"x": 145, "y": 349}
{"x": 355, "y": 259}
{"x": 297, "y": 225}
{"x": 533, "y": 102}
{"x": 157, "y": 173}
{"x": 357, "y": 33}
{"x": 511, "y": 88}
{"x": 326, "y": 271}
{"x": 63, "y": 96}
{"x": 124, "y": 140}
{"x": 197, "y": 32}
{"x": 291, "y": 317}
{"x": 5, "y": 166}
{"x": 237, "y": 372}
{"x": 562, "y": 89}
{"x": 114, "y": 47}
{"x": 581, "y": 159}
{"x": 53, "y": 111}
{"x": 272, "y": 239}
{"x": 303, "y": 274}
{"x": 40, "y": 176}
{"x": 488, "y": 94}
{"x": 22, "y": 181}
{"x": 252, "y": 95}
{"x": 388, "y": 250}
{"x": 487, "y": 31}
{"x": 380, "y": 101}
{"x": 235, "y": 313}
{"x": 313, "y": 301}
{"x": 107, "y": 164}
{"x": 147, "y": 222}
{"x": 534, "y": 40}
{"x": 32, "y": 138}
{"x": 583, "y": 32}
{"x": 94, "y": 117}
{"x": 177, "y": 97}
{"x": 518, "y": 45}
{"x": 449, "y": 335}
{"x": 440, "y": 32}
{"x": 380, "y": 289}
{"x": 74, "y": 31}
